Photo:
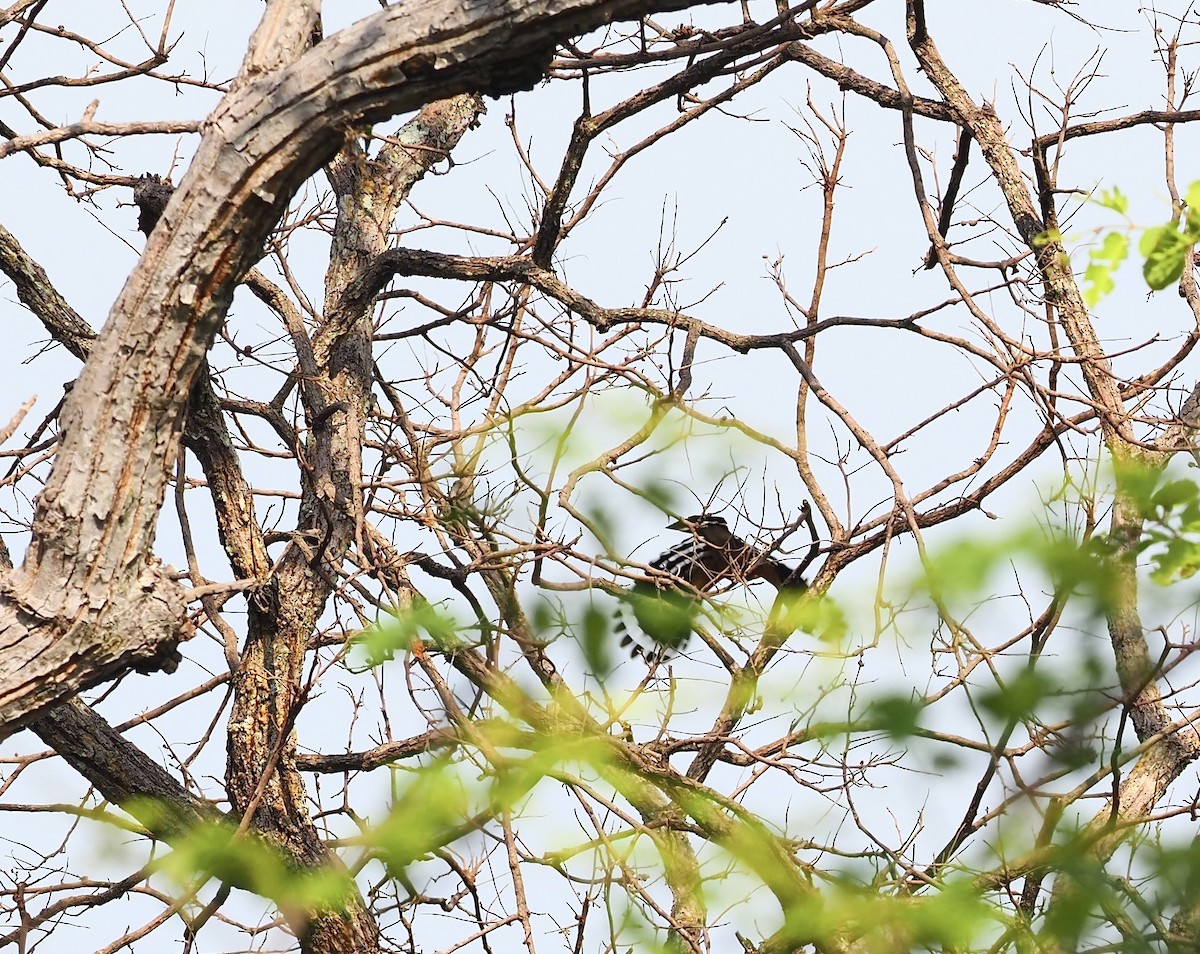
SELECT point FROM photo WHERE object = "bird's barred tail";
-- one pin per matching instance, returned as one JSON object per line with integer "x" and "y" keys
{"x": 634, "y": 640}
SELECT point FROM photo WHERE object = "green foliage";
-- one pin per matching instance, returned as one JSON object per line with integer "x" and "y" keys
{"x": 1088, "y": 888}
{"x": 427, "y": 813}
{"x": 948, "y": 916}
{"x": 951, "y": 917}
{"x": 666, "y": 614}
{"x": 499, "y": 765}
{"x": 819, "y": 616}
{"x": 1020, "y": 696}
{"x": 1103, "y": 263}
{"x": 592, "y": 629}
{"x": 447, "y": 799}
{"x": 216, "y": 850}
{"x": 1166, "y": 247}
{"x": 1048, "y": 236}
{"x": 1105, "y": 260}
{"x": 661, "y": 495}
{"x": 1170, "y": 510}
{"x": 898, "y": 715}
{"x": 595, "y": 630}
{"x": 1172, "y": 532}
{"x": 1113, "y": 199}
{"x": 1165, "y": 250}
{"x": 380, "y": 643}
{"x": 1177, "y": 871}
{"x": 1138, "y": 483}
{"x": 964, "y": 569}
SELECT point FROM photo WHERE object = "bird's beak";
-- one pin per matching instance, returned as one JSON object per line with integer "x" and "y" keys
{"x": 679, "y": 525}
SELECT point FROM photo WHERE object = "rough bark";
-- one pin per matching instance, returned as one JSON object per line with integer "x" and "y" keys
{"x": 122, "y": 773}
{"x": 90, "y": 602}
{"x": 288, "y": 112}
{"x": 262, "y": 778}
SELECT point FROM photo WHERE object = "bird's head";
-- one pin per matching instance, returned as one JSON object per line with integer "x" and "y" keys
{"x": 699, "y": 523}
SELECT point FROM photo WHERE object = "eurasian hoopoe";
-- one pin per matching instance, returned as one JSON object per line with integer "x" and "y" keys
{"x": 665, "y": 606}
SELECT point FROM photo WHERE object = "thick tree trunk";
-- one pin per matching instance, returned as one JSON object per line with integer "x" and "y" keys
{"x": 90, "y": 602}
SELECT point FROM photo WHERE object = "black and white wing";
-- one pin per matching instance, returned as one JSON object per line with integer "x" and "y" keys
{"x": 658, "y": 615}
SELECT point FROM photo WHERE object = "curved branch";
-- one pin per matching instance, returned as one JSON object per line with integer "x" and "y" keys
{"x": 90, "y": 602}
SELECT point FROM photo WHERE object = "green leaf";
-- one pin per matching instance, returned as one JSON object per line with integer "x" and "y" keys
{"x": 216, "y": 850}
{"x": 1192, "y": 198}
{"x": 1138, "y": 482}
{"x": 1193, "y": 208}
{"x": 963, "y": 566}
{"x": 898, "y": 715}
{"x": 1113, "y": 199}
{"x": 1179, "y": 560}
{"x": 1103, "y": 262}
{"x": 1047, "y": 237}
{"x": 543, "y": 616}
{"x": 1150, "y": 238}
{"x": 380, "y": 643}
{"x": 1175, "y": 494}
{"x": 597, "y": 640}
{"x": 1166, "y": 250}
{"x": 820, "y": 616}
{"x": 1020, "y": 696}
{"x": 428, "y": 814}
{"x": 666, "y": 615}
{"x": 661, "y": 494}
{"x": 950, "y": 919}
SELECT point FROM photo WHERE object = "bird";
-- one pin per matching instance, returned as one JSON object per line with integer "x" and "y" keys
{"x": 665, "y": 605}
